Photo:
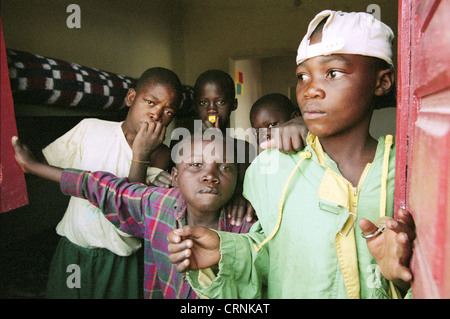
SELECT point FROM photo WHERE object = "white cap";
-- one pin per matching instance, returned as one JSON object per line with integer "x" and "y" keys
{"x": 348, "y": 33}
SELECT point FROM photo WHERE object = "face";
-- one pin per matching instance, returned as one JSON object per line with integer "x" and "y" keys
{"x": 204, "y": 178}
{"x": 214, "y": 100}
{"x": 266, "y": 118}
{"x": 335, "y": 93}
{"x": 153, "y": 102}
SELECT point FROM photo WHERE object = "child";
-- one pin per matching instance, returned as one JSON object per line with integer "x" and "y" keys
{"x": 271, "y": 111}
{"x": 204, "y": 182}
{"x": 307, "y": 243}
{"x": 111, "y": 261}
{"x": 214, "y": 101}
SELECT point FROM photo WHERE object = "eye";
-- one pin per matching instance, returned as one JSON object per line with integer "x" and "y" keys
{"x": 196, "y": 165}
{"x": 273, "y": 124}
{"x": 333, "y": 74}
{"x": 149, "y": 102}
{"x": 203, "y": 102}
{"x": 220, "y": 102}
{"x": 301, "y": 77}
{"x": 226, "y": 168}
{"x": 168, "y": 112}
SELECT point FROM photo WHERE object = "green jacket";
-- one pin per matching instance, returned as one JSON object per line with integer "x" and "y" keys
{"x": 307, "y": 241}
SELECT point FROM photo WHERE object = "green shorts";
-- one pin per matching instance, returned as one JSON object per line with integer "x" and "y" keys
{"x": 84, "y": 273}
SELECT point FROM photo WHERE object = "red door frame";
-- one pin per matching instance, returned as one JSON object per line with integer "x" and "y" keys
{"x": 423, "y": 139}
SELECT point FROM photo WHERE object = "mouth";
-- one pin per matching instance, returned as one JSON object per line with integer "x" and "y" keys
{"x": 311, "y": 113}
{"x": 208, "y": 190}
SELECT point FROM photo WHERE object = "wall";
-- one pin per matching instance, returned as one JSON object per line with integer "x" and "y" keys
{"x": 251, "y": 91}
{"x": 124, "y": 37}
{"x": 216, "y": 30}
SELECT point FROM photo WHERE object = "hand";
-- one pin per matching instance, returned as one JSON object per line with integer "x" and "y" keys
{"x": 288, "y": 137}
{"x": 163, "y": 179}
{"x": 237, "y": 208}
{"x": 150, "y": 136}
{"x": 207, "y": 124}
{"x": 23, "y": 155}
{"x": 30, "y": 165}
{"x": 193, "y": 248}
{"x": 392, "y": 249}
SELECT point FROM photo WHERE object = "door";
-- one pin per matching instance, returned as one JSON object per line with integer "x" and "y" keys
{"x": 423, "y": 139}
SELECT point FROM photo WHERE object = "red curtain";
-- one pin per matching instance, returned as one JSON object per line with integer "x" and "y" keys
{"x": 12, "y": 180}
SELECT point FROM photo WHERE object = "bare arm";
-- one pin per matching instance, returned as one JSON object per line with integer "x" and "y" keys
{"x": 289, "y": 137}
{"x": 146, "y": 143}
{"x": 30, "y": 165}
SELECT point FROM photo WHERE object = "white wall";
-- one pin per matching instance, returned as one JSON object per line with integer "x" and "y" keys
{"x": 252, "y": 88}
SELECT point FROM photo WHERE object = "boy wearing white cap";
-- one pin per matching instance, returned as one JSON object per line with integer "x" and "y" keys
{"x": 314, "y": 238}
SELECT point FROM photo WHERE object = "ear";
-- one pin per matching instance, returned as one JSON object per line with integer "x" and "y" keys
{"x": 294, "y": 115}
{"x": 131, "y": 94}
{"x": 174, "y": 175}
{"x": 385, "y": 82}
{"x": 235, "y": 105}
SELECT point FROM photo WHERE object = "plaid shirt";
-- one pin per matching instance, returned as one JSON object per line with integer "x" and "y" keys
{"x": 150, "y": 213}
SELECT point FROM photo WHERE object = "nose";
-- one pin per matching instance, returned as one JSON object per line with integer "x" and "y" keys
{"x": 156, "y": 113}
{"x": 210, "y": 174}
{"x": 314, "y": 90}
{"x": 211, "y": 108}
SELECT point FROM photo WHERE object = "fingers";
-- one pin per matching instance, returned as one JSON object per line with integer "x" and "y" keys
{"x": 296, "y": 143}
{"x": 404, "y": 251}
{"x": 268, "y": 144}
{"x": 206, "y": 125}
{"x": 216, "y": 125}
{"x": 404, "y": 224}
{"x": 163, "y": 179}
{"x": 285, "y": 141}
{"x": 400, "y": 227}
{"x": 17, "y": 144}
{"x": 367, "y": 227}
{"x": 14, "y": 140}
{"x": 179, "y": 249}
{"x": 237, "y": 213}
{"x": 251, "y": 213}
{"x": 405, "y": 217}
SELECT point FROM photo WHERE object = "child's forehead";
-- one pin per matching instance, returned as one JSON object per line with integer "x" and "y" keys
{"x": 341, "y": 60}
{"x": 219, "y": 86}
{"x": 214, "y": 84}
{"x": 153, "y": 86}
{"x": 347, "y": 59}
{"x": 203, "y": 150}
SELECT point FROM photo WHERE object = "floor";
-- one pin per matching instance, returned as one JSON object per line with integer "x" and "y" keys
{"x": 24, "y": 266}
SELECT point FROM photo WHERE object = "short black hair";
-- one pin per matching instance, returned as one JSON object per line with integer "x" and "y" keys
{"x": 281, "y": 101}
{"x": 159, "y": 75}
{"x": 216, "y": 76}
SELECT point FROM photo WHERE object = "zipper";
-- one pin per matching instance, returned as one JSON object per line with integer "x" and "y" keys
{"x": 356, "y": 189}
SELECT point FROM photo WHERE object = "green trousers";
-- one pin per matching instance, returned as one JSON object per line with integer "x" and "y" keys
{"x": 84, "y": 273}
